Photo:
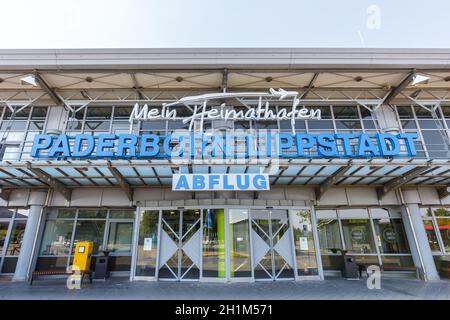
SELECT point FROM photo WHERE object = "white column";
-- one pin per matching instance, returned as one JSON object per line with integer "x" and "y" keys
{"x": 36, "y": 202}
{"x": 56, "y": 120}
{"x": 387, "y": 119}
{"x": 418, "y": 240}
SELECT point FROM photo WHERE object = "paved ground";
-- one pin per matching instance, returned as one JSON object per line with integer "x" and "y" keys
{"x": 334, "y": 288}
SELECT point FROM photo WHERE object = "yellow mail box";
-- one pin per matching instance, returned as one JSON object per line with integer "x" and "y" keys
{"x": 82, "y": 257}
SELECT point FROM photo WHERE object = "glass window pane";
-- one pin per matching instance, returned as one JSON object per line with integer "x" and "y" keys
{"x": 441, "y": 212}
{"x": 369, "y": 124}
{"x": 422, "y": 112}
{"x": 20, "y": 115}
{"x": 14, "y": 125}
{"x": 325, "y": 112}
{"x": 22, "y": 213}
{"x": 391, "y": 236}
{"x": 266, "y": 125}
{"x": 120, "y": 237}
{"x": 353, "y": 213}
{"x": 320, "y": 124}
{"x": 66, "y": 213}
{"x": 305, "y": 249}
{"x": 15, "y": 239}
{"x": 6, "y": 213}
{"x": 326, "y": 214}
{"x": 214, "y": 243}
{"x": 57, "y": 237}
{"x": 329, "y": 235}
{"x": 91, "y": 231}
{"x": 122, "y": 112}
{"x": 39, "y": 113}
{"x": 348, "y": 124}
{"x": 190, "y": 228}
{"x": 3, "y": 233}
{"x": 429, "y": 124}
{"x": 345, "y": 112}
{"x": 405, "y": 112}
{"x": 97, "y": 126}
{"x": 36, "y": 125}
{"x": 425, "y": 212}
{"x": 431, "y": 234}
{"x": 358, "y": 236}
{"x": 147, "y": 244}
{"x": 153, "y": 125}
{"x": 99, "y": 112}
{"x": 121, "y": 214}
{"x": 443, "y": 225}
{"x": 408, "y": 124}
{"x": 92, "y": 214}
{"x": 239, "y": 244}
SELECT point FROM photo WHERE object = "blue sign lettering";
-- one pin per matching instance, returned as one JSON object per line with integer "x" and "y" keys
{"x": 300, "y": 145}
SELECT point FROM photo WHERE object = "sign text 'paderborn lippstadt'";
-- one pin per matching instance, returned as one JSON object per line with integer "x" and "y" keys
{"x": 197, "y": 143}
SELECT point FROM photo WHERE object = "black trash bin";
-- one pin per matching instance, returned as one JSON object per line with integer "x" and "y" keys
{"x": 349, "y": 269}
{"x": 101, "y": 266}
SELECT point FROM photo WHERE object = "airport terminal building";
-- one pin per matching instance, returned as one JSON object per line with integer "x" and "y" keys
{"x": 226, "y": 164}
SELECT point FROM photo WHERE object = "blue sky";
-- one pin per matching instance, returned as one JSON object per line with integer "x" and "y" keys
{"x": 224, "y": 23}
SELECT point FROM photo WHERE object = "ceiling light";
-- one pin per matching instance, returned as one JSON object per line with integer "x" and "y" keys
{"x": 28, "y": 80}
{"x": 269, "y": 79}
{"x": 179, "y": 79}
{"x": 89, "y": 79}
{"x": 419, "y": 79}
{"x": 358, "y": 78}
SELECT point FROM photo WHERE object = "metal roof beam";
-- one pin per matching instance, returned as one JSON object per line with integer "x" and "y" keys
{"x": 310, "y": 85}
{"x": 124, "y": 185}
{"x": 51, "y": 182}
{"x": 402, "y": 85}
{"x": 401, "y": 180}
{"x": 46, "y": 88}
{"x": 330, "y": 181}
{"x": 136, "y": 86}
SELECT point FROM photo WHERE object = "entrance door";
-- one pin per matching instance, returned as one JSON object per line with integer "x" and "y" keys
{"x": 272, "y": 245}
{"x": 179, "y": 257}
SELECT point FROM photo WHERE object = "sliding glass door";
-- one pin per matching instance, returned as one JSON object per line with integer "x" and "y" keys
{"x": 232, "y": 244}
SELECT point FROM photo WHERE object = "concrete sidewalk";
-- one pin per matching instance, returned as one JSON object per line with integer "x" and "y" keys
{"x": 330, "y": 289}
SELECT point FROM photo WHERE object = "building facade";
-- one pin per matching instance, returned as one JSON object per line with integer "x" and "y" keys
{"x": 226, "y": 164}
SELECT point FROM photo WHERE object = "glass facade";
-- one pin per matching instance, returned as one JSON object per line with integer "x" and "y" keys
{"x": 437, "y": 226}
{"x": 109, "y": 230}
{"x": 436, "y": 222}
{"x": 18, "y": 129}
{"x": 226, "y": 244}
{"x": 430, "y": 125}
{"x": 12, "y": 228}
{"x": 232, "y": 243}
{"x": 370, "y": 235}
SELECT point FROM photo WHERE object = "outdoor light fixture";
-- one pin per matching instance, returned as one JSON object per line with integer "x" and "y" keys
{"x": 29, "y": 80}
{"x": 419, "y": 79}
